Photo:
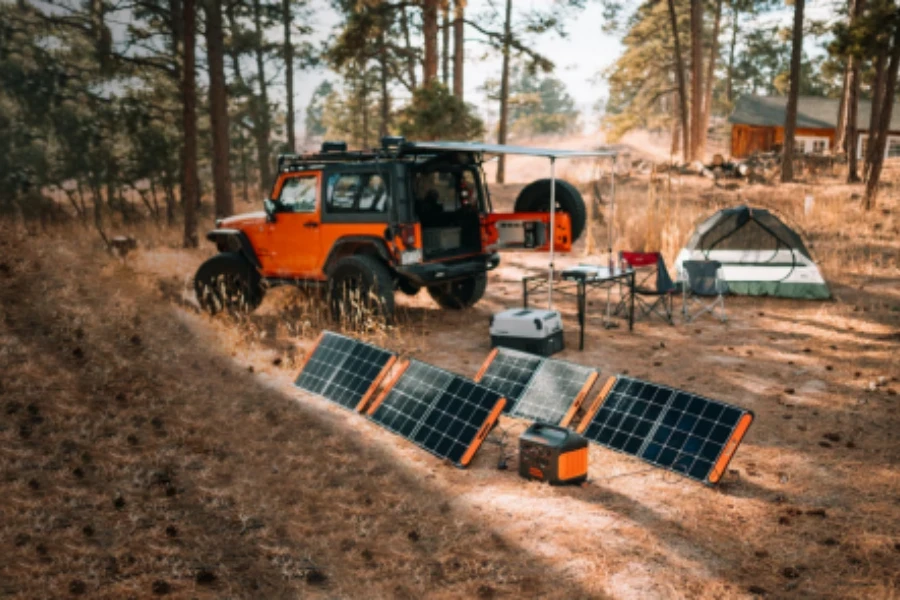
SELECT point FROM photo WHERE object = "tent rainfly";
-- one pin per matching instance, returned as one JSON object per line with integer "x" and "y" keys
{"x": 760, "y": 255}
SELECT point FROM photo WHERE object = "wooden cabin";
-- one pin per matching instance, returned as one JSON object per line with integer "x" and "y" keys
{"x": 757, "y": 125}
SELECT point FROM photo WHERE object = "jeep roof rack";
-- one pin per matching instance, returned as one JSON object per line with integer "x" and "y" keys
{"x": 392, "y": 148}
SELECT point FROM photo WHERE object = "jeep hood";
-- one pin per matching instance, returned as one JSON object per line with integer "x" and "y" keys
{"x": 242, "y": 221}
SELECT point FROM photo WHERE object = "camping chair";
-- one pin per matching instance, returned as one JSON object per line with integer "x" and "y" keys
{"x": 700, "y": 281}
{"x": 653, "y": 288}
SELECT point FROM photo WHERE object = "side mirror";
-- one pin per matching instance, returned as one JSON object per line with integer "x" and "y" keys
{"x": 269, "y": 207}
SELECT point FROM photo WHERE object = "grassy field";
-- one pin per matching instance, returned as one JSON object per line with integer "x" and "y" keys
{"x": 147, "y": 449}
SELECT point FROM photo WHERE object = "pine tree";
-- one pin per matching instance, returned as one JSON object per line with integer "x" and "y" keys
{"x": 218, "y": 109}
{"x": 190, "y": 185}
{"x": 790, "y": 123}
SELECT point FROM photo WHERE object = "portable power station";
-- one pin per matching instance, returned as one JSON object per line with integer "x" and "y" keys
{"x": 553, "y": 454}
{"x": 529, "y": 330}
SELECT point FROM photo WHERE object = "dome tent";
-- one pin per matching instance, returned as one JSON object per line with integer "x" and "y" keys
{"x": 760, "y": 255}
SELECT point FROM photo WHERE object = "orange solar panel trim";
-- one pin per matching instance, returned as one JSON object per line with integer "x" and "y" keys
{"x": 487, "y": 363}
{"x": 371, "y": 391}
{"x": 312, "y": 350}
{"x": 598, "y": 402}
{"x": 482, "y": 433}
{"x": 579, "y": 399}
{"x": 387, "y": 387}
{"x": 736, "y": 437}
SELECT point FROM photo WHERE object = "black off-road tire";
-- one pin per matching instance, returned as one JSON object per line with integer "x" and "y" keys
{"x": 227, "y": 282}
{"x": 359, "y": 285}
{"x": 535, "y": 197}
{"x": 459, "y": 294}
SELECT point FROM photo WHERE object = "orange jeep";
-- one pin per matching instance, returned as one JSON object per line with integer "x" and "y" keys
{"x": 365, "y": 224}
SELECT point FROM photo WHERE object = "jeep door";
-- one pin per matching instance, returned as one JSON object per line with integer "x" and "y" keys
{"x": 293, "y": 245}
{"x": 357, "y": 205}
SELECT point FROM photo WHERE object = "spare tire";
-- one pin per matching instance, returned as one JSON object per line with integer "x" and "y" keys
{"x": 535, "y": 197}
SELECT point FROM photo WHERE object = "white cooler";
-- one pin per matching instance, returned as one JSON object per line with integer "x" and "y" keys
{"x": 528, "y": 329}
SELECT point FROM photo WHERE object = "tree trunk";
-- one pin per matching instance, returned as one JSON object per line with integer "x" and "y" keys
{"x": 251, "y": 106}
{"x": 70, "y": 194}
{"x": 155, "y": 199}
{"x": 81, "y": 199}
{"x": 676, "y": 126}
{"x": 729, "y": 82}
{"x": 710, "y": 73}
{"x": 169, "y": 188}
{"x": 445, "y": 42}
{"x": 429, "y": 32}
{"x": 363, "y": 99}
{"x": 410, "y": 53}
{"x": 98, "y": 204}
{"x": 840, "y": 140}
{"x": 289, "y": 74}
{"x": 504, "y": 92}
{"x": 790, "y": 119}
{"x": 857, "y": 8}
{"x": 696, "y": 79}
{"x": 459, "y": 8}
{"x": 682, "y": 86}
{"x": 877, "y": 102}
{"x": 218, "y": 109}
{"x": 263, "y": 126}
{"x": 884, "y": 124}
{"x": 385, "y": 95}
{"x": 851, "y": 128}
{"x": 189, "y": 184}
{"x": 245, "y": 167}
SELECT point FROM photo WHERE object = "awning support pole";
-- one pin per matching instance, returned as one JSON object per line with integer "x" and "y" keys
{"x": 612, "y": 208}
{"x": 552, "y": 229}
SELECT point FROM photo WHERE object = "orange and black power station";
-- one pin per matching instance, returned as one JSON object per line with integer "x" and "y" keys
{"x": 553, "y": 454}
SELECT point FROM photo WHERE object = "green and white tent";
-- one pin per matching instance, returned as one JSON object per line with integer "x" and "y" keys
{"x": 760, "y": 255}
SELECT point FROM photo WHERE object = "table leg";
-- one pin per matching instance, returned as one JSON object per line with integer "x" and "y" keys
{"x": 631, "y": 309}
{"x": 582, "y": 301}
{"x": 524, "y": 293}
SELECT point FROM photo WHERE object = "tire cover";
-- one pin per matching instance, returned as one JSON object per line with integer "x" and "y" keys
{"x": 535, "y": 197}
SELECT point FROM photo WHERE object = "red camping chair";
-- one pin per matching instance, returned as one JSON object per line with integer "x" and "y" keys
{"x": 653, "y": 288}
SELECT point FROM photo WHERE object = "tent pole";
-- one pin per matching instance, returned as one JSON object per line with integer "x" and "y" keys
{"x": 552, "y": 230}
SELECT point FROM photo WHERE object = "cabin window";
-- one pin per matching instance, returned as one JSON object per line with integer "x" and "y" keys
{"x": 893, "y": 147}
{"x": 811, "y": 145}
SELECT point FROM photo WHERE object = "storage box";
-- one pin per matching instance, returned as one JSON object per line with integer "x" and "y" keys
{"x": 553, "y": 454}
{"x": 527, "y": 329}
{"x": 442, "y": 238}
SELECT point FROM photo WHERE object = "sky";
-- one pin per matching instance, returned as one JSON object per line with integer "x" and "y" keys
{"x": 579, "y": 57}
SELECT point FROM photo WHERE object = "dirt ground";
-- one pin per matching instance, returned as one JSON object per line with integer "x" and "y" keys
{"x": 147, "y": 449}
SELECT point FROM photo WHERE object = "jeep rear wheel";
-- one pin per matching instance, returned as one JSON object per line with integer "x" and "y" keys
{"x": 228, "y": 283}
{"x": 459, "y": 294}
{"x": 359, "y": 287}
{"x": 535, "y": 197}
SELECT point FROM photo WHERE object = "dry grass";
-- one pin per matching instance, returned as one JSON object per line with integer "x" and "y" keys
{"x": 234, "y": 484}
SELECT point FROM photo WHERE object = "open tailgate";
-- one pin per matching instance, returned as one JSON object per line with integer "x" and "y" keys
{"x": 525, "y": 231}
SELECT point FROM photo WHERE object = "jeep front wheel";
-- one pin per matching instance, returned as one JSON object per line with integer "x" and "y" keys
{"x": 459, "y": 294}
{"x": 227, "y": 282}
{"x": 360, "y": 286}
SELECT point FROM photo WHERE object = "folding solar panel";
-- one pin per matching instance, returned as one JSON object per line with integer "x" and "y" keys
{"x": 537, "y": 388}
{"x": 444, "y": 413}
{"x": 669, "y": 428}
{"x": 344, "y": 370}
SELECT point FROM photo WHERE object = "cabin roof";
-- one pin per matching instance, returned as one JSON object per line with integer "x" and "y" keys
{"x": 812, "y": 112}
